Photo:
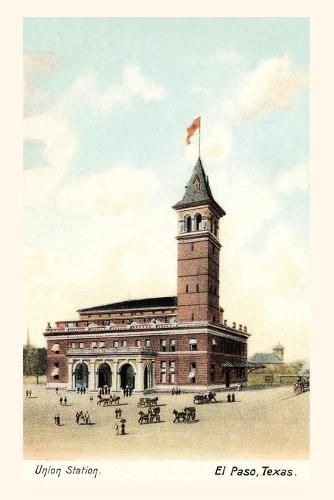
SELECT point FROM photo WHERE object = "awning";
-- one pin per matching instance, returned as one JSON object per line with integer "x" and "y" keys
{"x": 192, "y": 341}
{"x": 192, "y": 375}
{"x": 55, "y": 371}
{"x": 55, "y": 347}
{"x": 236, "y": 363}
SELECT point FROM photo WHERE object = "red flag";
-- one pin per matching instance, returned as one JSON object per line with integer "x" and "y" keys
{"x": 192, "y": 129}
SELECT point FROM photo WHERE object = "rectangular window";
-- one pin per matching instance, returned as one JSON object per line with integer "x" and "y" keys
{"x": 124, "y": 343}
{"x": 163, "y": 377}
{"x": 147, "y": 343}
{"x": 172, "y": 366}
{"x": 55, "y": 348}
{"x": 115, "y": 343}
{"x": 94, "y": 345}
{"x": 73, "y": 345}
{"x": 172, "y": 378}
{"x": 56, "y": 364}
{"x": 193, "y": 365}
{"x": 173, "y": 345}
{"x": 193, "y": 347}
{"x": 102, "y": 344}
{"x": 81, "y": 345}
{"x": 163, "y": 345}
{"x": 138, "y": 343}
{"x": 163, "y": 365}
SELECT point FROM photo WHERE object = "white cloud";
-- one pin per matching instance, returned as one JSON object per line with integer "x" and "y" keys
{"x": 53, "y": 131}
{"x": 121, "y": 188}
{"x": 133, "y": 84}
{"x": 264, "y": 267}
{"x": 294, "y": 179}
{"x": 271, "y": 86}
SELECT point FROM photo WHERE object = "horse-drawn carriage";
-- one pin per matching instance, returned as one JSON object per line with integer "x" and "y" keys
{"x": 153, "y": 415}
{"x": 107, "y": 400}
{"x": 147, "y": 402}
{"x": 202, "y": 398}
{"x": 301, "y": 386}
{"x": 188, "y": 414}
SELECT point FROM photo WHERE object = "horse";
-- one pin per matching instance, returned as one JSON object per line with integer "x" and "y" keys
{"x": 114, "y": 399}
{"x": 144, "y": 417}
{"x": 178, "y": 415}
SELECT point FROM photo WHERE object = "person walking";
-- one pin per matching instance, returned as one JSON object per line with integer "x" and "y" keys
{"x": 77, "y": 417}
{"x": 233, "y": 398}
{"x": 78, "y": 390}
{"x": 116, "y": 430}
{"x": 84, "y": 389}
{"x": 61, "y": 400}
{"x": 65, "y": 400}
{"x": 124, "y": 390}
{"x": 27, "y": 393}
{"x": 122, "y": 428}
{"x": 30, "y": 393}
{"x": 57, "y": 391}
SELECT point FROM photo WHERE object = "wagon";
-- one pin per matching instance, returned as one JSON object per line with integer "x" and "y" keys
{"x": 154, "y": 414}
{"x": 143, "y": 402}
{"x": 205, "y": 398}
{"x": 200, "y": 399}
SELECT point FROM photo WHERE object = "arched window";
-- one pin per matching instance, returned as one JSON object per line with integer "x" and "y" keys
{"x": 187, "y": 224}
{"x": 215, "y": 227}
{"x": 198, "y": 222}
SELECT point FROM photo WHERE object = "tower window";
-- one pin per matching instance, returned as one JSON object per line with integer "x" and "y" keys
{"x": 197, "y": 288}
{"x": 192, "y": 247}
{"x": 197, "y": 184}
{"x": 192, "y": 316}
{"x": 198, "y": 222}
{"x": 187, "y": 289}
{"x": 187, "y": 224}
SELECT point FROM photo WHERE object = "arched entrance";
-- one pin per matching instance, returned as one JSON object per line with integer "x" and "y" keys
{"x": 127, "y": 376}
{"x": 104, "y": 375}
{"x": 81, "y": 375}
{"x": 146, "y": 378}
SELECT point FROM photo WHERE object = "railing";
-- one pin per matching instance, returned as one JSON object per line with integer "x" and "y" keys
{"x": 112, "y": 327}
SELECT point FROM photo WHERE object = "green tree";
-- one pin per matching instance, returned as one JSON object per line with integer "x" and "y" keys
{"x": 34, "y": 361}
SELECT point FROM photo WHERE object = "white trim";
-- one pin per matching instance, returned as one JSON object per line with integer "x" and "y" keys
{"x": 55, "y": 371}
{"x": 146, "y": 333}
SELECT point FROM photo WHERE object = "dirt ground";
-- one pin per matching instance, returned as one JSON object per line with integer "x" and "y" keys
{"x": 271, "y": 423}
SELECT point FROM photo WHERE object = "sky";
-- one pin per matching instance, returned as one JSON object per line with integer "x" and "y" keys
{"x": 106, "y": 105}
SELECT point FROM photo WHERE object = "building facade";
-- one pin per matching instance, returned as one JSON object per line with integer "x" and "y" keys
{"x": 161, "y": 342}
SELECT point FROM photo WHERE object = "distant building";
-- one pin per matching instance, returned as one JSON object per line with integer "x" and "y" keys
{"x": 160, "y": 342}
{"x": 269, "y": 358}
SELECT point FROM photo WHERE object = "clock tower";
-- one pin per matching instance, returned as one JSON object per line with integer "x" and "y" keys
{"x": 198, "y": 251}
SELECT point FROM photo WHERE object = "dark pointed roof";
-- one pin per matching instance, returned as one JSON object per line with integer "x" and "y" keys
{"x": 203, "y": 195}
{"x": 159, "y": 302}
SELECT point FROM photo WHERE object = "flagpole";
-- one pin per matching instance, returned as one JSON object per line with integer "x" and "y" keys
{"x": 199, "y": 141}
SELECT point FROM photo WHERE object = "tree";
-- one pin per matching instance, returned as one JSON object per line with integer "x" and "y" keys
{"x": 34, "y": 361}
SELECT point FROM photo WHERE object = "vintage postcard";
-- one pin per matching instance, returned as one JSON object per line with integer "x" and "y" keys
{"x": 166, "y": 248}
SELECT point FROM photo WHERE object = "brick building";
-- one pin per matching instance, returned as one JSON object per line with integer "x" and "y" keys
{"x": 157, "y": 343}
